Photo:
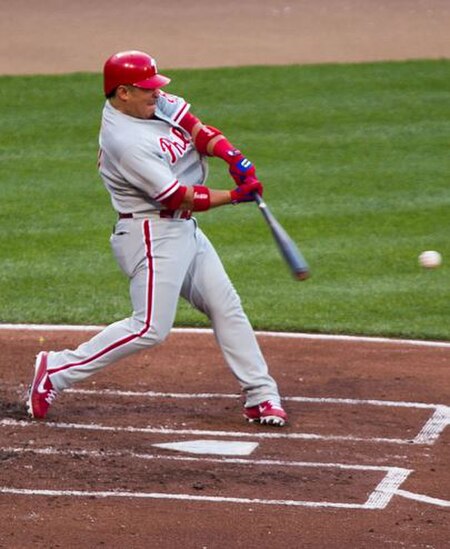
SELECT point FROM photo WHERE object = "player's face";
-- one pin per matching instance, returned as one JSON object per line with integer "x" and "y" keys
{"x": 140, "y": 103}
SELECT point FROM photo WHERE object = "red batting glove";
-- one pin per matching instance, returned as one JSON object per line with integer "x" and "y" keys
{"x": 246, "y": 191}
{"x": 241, "y": 169}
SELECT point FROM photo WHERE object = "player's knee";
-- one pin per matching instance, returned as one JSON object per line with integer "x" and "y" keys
{"x": 152, "y": 334}
{"x": 155, "y": 335}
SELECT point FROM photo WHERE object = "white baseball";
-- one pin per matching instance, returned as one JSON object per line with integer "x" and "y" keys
{"x": 430, "y": 259}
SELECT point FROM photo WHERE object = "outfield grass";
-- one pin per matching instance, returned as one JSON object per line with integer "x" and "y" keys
{"x": 355, "y": 162}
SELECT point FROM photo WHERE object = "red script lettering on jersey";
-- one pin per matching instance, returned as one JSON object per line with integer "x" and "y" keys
{"x": 175, "y": 147}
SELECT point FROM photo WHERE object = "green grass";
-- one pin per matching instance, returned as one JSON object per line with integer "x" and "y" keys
{"x": 356, "y": 167}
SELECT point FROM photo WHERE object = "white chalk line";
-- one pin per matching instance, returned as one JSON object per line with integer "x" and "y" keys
{"x": 182, "y": 497}
{"x": 434, "y": 426}
{"x": 320, "y": 400}
{"x": 50, "y": 450}
{"x": 429, "y": 433}
{"x": 379, "y": 498}
{"x": 289, "y": 335}
{"x": 386, "y": 489}
{"x": 422, "y": 498}
{"x": 216, "y": 499}
{"x": 203, "y": 432}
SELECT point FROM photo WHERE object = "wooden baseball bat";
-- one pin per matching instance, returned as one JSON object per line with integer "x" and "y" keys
{"x": 286, "y": 245}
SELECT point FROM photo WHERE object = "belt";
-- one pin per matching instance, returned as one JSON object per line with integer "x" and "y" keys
{"x": 171, "y": 214}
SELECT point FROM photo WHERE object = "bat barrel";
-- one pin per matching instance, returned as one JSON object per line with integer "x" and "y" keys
{"x": 286, "y": 245}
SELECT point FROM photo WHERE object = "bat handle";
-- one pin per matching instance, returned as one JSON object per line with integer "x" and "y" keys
{"x": 258, "y": 198}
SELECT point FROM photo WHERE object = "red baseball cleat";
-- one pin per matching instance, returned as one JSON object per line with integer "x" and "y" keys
{"x": 41, "y": 393}
{"x": 267, "y": 412}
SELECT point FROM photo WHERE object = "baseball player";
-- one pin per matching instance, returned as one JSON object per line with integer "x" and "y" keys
{"x": 152, "y": 161}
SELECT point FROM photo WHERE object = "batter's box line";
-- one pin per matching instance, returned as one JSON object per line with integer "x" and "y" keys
{"x": 385, "y": 499}
{"x": 428, "y": 435}
{"x": 378, "y": 499}
{"x": 209, "y": 433}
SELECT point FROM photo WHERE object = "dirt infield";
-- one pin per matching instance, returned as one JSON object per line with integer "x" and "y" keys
{"x": 363, "y": 462}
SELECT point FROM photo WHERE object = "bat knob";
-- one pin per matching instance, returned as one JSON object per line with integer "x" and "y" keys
{"x": 302, "y": 275}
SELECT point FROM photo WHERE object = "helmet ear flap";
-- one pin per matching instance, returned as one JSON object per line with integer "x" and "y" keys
{"x": 134, "y": 68}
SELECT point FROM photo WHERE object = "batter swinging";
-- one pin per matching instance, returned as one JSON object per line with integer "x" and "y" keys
{"x": 153, "y": 163}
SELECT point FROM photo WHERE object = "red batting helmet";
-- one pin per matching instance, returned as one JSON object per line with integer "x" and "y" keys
{"x": 134, "y": 68}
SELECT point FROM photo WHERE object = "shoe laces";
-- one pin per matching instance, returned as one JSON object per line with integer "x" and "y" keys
{"x": 51, "y": 395}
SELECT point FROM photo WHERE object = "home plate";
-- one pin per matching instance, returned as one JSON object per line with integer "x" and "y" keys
{"x": 216, "y": 447}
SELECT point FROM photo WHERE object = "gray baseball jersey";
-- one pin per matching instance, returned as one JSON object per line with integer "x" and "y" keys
{"x": 142, "y": 162}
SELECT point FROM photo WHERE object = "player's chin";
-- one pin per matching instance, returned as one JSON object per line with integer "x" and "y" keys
{"x": 150, "y": 110}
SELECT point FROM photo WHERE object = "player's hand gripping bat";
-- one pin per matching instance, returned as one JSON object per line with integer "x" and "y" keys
{"x": 286, "y": 245}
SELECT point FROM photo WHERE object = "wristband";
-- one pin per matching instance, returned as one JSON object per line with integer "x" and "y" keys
{"x": 205, "y": 138}
{"x": 201, "y": 198}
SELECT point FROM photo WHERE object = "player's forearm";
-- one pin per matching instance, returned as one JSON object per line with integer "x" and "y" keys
{"x": 211, "y": 142}
{"x": 216, "y": 198}
{"x": 199, "y": 198}
{"x": 206, "y": 138}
